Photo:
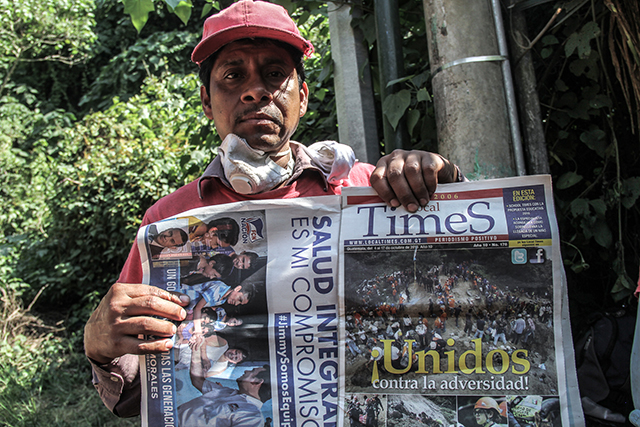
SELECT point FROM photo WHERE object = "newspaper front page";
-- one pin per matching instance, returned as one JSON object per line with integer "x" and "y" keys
{"x": 452, "y": 315}
{"x": 260, "y": 344}
{"x": 340, "y": 311}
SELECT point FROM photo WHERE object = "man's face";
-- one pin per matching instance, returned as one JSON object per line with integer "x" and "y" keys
{"x": 237, "y": 297}
{"x": 170, "y": 238}
{"x": 242, "y": 261}
{"x": 234, "y": 355}
{"x": 223, "y": 244}
{"x": 254, "y": 93}
{"x": 250, "y": 375}
{"x": 198, "y": 231}
{"x": 481, "y": 416}
{"x": 234, "y": 321}
{"x": 210, "y": 270}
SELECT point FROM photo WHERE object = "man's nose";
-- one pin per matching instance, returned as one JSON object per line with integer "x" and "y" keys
{"x": 256, "y": 90}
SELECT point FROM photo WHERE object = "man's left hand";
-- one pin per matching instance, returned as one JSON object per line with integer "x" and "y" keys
{"x": 410, "y": 178}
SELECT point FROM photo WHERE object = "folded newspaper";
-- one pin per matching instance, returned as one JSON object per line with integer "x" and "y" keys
{"x": 342, "y": 311}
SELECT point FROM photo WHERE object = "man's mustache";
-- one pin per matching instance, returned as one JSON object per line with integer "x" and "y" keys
{"x": 271, "y": 112}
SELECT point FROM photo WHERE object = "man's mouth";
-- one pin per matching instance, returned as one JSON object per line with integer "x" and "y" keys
{"x": 259, "y": 117}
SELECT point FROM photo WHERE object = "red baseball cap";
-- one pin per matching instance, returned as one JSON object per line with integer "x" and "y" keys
{"x": 249, "y": 19}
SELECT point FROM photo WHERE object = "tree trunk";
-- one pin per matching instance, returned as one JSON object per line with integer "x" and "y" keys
{"x": 535, "y": 146}
{"x": 469, "y": 98}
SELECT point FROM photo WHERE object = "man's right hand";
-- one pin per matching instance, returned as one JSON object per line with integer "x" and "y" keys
{"x": 124, "y": 314}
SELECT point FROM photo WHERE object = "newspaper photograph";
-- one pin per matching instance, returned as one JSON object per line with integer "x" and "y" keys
{"x": 259, "y": 346}
{"x": 451, "y": 315}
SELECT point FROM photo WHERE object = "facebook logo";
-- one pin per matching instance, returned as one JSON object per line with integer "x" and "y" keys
{"x": 538, "y": 256}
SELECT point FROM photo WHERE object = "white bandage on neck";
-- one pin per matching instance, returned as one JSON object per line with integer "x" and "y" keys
{"x": 335, "y": 160}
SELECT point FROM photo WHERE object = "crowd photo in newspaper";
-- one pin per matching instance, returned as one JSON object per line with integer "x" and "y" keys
{"x": 410, "y": 311}
{"x": 450, "y": 312}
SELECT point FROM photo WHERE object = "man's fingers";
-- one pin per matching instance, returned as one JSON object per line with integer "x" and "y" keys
{"x": 431, "y": 167}
{"x": 138, "y": 290}
{"x": 408, "y": 178}
{"x": 401, "y": 187}
{"x": 390, "y": 182}
{"x": 143, "y": 300}
{"x": 149, "y": 305}
{"x": 379, "y": 183}
{"x": 128, "y": 311}
{"x": 145, "y": 325}
{"x": 133, "y": 345}
{"x": 416, "y": 174}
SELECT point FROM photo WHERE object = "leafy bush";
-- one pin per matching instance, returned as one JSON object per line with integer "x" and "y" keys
{"x": 43, "y": 32}
{"x": 101, "y": 175}
{"x": 159, "y": 54}
{"x": 594, "y": 154}
{"x": 44, "y": 379}
{"x": 321, "y": 120}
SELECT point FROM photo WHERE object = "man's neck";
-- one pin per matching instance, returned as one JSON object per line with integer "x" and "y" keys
{"x": 282, "y": 158}
{"x": 249, "y": 391}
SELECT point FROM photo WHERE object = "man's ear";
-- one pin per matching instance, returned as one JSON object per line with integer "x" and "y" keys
{"x": 304, "y": 98}
{"x": 206, "y": 102}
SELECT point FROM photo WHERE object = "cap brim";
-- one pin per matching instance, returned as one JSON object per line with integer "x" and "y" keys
{"x": 215, "y": 42}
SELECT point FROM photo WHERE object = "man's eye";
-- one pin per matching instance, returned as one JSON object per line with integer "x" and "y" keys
{"x": 231, "y": 76}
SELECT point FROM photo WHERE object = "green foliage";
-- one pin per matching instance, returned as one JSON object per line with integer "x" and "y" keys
{"x": 44, "y": 378}
{"x": 395, "y": 106}
{"x": 139, "y": 10}
{"x": 43, "y": 30}
{"x": 158, "y": 54}
{"x": 411, "y": 99}
{"x": 99, "y": 176}
{"x": 321, "y": 120}
{"x": 17, "y": 166}
{"x": 594, "y": 153}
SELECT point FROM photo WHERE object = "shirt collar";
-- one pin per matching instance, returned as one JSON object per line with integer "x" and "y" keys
{"x": 254, "y": 401}
{"x": 300, "y": 156}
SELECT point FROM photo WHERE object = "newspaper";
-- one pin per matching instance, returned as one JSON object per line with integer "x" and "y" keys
{"x": 260, "y": 345}
{"x": 453, "y": 315}
{"x": 340, "y": 311}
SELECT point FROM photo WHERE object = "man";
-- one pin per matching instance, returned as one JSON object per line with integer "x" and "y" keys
{"x": 518, "y": 329}
{"x": 480, "y": 324}
{"x": 530, "y": 331}
{"x": 170, "y": 238}
{"x": 253, "y": 89}
{"x": 487, "y": 412}
{"x": 215, "y": 293}
{"x": 421, "y": 330}
{"x": 456, "y": 313}
{"x": 224, "y": 406}
{"x": 501, "y": 328}
{"x": 244, "y": 260}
